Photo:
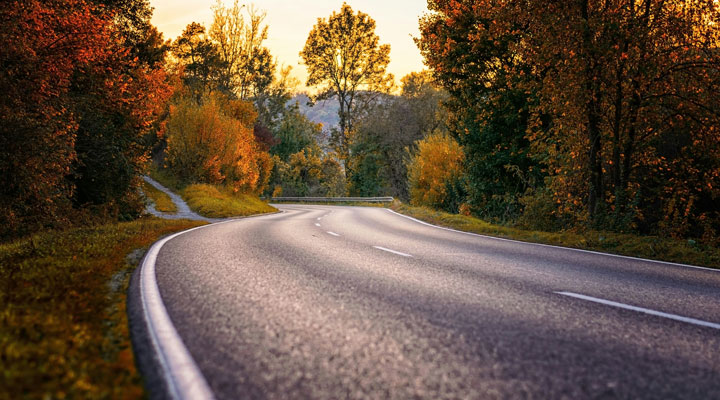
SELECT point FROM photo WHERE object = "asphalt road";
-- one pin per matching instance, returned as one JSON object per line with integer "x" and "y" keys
{"x": 351, "y": 302}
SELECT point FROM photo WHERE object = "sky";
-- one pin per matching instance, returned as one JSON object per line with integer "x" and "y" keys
{"x": 290, "y": 21}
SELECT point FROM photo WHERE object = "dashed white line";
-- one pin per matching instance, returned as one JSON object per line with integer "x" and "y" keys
{"x": 333, "y": 233}
{"x": 642, "y": 310}
{"x": 317, "y": 224}
{"x": 392, "y": 251}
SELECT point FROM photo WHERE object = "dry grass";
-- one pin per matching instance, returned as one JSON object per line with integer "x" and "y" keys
{"x": 652, "y": 247}
{"x": 213, "y": 202}
{"x": 63, "y": 323}
{"x": 162, "y": 201}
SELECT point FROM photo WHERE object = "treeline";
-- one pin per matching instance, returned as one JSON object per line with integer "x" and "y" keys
{"x": 231, "y": 121}
{"x": 584, "y": 113}
{"x": 82, "y": 85}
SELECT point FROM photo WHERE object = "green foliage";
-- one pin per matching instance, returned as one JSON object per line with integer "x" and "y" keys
{"x": 294, "y": 133}
{"x": 63, "y": 323}
{"x": 199, "y": 59}
{"x": 308, "y": 173}
{"x": 652, "y": 247}
{"x": 489, "y": 104}
{"x": 215, "y": 202}
{"x": 385, "y": 132}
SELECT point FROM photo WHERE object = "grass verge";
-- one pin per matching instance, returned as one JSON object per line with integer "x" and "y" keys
{"x": 213, "y": 202}
{"x": 63, "y": 323}
{"x": 652, "y": 247}
{"x": 162, "y": 201}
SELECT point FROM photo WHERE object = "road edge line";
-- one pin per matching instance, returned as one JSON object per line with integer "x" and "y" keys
{"x": 556, "y": 247}
{"x": 182, "y": 376}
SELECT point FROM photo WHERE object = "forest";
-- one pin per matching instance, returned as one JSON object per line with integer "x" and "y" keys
{"x": 540, "y": 115}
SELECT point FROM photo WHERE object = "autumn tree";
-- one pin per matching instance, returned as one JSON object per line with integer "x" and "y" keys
{"x": 212, "y": 142}
{"x": 435, "y": 173}
{"x": 344, "y": 58}
{"x": 247, "y": 66}
{"x": 633, "y": 93}
{"x": 308, "y": 172}
{"x": 616, "y": 100}
{"x": 77, "y": 100}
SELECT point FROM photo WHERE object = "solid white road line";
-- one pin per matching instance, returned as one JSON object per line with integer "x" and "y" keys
{"x": 556, "y": 247}
{"x": 332, "y": 233}
{"x": 182, "y": 376}
{"x": 643, "y": 310}
{"x": 392, "y": 251}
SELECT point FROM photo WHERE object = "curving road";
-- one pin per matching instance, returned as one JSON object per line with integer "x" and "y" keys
{"x": 352, "y": 302}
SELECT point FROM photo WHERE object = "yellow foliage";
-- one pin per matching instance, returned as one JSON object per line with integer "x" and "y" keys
{"x": 213, "y": 143}
{"x": 438, "y": 161}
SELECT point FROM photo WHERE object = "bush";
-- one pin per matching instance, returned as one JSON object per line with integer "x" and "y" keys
{"x": 213, "y": 143}
{"x": 435, "y": 173}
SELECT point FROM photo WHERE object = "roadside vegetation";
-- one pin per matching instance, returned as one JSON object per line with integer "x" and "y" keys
{"x": 63, "y": 322}
{"x": 214, "y": 202}
{"x": 162, "y": 201}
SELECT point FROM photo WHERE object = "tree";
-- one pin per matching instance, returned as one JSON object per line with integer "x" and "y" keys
{"x": 41, "y": 46}
{"x": 294, "y": 133}
{"x": 472, "y": 50}
{"x": 612, "y": 100}
{"x": 343, "y": 56}
{"x": 212, "y": 142}
{"x": 630, "y": 81}
{"x": 199, "y": 59}
{"x": 385, "y": 132}
{"x": 248, "y": 67}
{"x": 308, "y": 172}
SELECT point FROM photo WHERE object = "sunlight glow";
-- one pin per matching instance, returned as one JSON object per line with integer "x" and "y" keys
{"x": 290, "y": 21}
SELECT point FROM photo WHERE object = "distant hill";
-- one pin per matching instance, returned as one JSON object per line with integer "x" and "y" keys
{"x": 323, "y": 112}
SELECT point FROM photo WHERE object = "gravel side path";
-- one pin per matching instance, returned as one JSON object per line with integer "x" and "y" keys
{"x": 184, "y": 211}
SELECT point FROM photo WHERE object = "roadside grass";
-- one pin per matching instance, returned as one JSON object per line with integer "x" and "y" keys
{"x": 651, "y": 247}
{"x": 162, "y": 201}
{"x": 213, "y": 202}
{"x": 63, "y": 322}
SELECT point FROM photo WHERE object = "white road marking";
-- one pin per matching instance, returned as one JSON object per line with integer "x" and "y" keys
{"x": 181, "y": 374}
{"x": 392, "y": 251}
{"x": 643, "y": 310}
{"x": 317, "y": 224}
{"x": 332, "y": 233}
{"x": 553, "y": 246}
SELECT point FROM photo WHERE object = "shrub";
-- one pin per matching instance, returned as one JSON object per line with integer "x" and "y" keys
{"x": 436, "y": 168}
{"x": 213, "y": 143}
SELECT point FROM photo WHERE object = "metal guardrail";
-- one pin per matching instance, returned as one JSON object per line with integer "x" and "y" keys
{"x": 335, "y": 199}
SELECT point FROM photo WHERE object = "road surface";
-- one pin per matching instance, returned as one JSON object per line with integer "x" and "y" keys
{"x": 351, "y": 302}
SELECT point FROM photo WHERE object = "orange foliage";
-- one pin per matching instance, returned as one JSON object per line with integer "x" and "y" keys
{"x": 214, "y": 143}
